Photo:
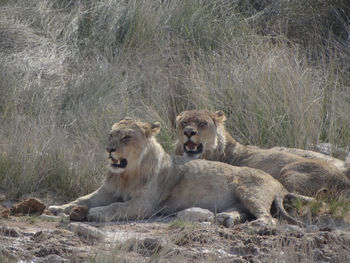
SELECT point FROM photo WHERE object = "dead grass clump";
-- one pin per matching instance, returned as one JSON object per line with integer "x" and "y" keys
{"x": 29, "y": 206}
{"x": 68, "y": 70}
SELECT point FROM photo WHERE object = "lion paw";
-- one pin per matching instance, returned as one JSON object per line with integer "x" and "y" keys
{"x": 58, "y": 209}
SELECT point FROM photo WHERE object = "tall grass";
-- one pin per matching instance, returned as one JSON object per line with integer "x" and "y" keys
{"x": 69, "y": 69}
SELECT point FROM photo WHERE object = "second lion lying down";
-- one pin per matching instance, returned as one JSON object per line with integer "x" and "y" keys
{"x": 201, "y": 134}
{"x": 143, "y": 180}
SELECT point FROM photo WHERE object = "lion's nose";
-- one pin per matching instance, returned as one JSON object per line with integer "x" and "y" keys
{"x": 189, "y": 132}
{"x": 110, "y": 149}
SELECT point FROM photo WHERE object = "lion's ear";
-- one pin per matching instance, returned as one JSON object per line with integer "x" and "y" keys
{"x": 178, "y": 117}
{"x": 220, "y": 116}
{"x": 151, "y": 129}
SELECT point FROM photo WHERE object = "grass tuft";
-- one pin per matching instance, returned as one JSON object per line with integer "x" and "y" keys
{"x": 70, "y": 69}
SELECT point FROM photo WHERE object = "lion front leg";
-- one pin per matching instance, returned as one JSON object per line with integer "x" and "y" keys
{"x": 100, "y": 197}
{"x": 130, "y": 210}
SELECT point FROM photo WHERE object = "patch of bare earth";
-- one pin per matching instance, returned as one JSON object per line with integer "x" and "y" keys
{"x": 49, "y": 238}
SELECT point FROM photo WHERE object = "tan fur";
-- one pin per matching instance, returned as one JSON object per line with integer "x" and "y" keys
{"x": 157, "y": 183}
{"x": 343, "y": 166}
{"x": 296, "y": 173}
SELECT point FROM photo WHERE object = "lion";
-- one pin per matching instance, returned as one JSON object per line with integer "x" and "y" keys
{"x": 202, "y": 134}
{"x": 143, "y": 180}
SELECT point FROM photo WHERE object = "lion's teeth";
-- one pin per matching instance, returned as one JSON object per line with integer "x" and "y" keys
{"x": 194, "y": 148}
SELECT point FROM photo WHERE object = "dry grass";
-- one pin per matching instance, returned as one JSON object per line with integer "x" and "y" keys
{"x": 70, "y": 69}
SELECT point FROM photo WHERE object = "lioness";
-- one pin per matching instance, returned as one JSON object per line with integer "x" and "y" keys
{"x": 144, "y": 180}
{"x": 201, "y": 134}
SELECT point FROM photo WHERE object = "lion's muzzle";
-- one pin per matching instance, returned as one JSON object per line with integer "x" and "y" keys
{"x": 122, "y": 163}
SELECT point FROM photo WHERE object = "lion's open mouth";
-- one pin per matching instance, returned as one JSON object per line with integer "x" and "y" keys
{"x": 193, "y": 148}
{"x": 118, "y": 163}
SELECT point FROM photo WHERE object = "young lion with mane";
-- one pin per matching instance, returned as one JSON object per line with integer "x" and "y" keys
{"x": 202, "y": 134}
{"x": 143, "y": 180}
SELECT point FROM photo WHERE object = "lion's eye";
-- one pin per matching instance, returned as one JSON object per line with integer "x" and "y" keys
{"x": 126, "y": 138}
{"x": 183, "y": 124}
{"x": 202, "y": 124}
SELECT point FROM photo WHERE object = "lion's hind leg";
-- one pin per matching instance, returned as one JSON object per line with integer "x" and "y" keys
{"x": 308, "y": 177}
{"x": 256, "y": 203}
{"x": 257, "y": 192}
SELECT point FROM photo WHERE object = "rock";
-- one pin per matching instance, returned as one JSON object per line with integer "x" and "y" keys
{"x": 50, "y": 218}
{"x": 291, "y": 228}
{"x": 86, "y": 231}
{"x": 244, "y": 250}
{"x": 318, "y": 255}
{"x": 293, "y": 231}
{"x": 29, "y": 206}
{"x": 196, "y": 214}
{"x": 53, "y": 258}
{"x": 311, "y": 228}
{"x": 8, "y": 231}
{"x": 78, "y": 213}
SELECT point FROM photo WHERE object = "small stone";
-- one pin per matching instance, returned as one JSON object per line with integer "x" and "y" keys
{"x": 318, "y": 254}
{"x": 196, "y": 214}
{"x": 291, "y": 228}
{"x": 8, "y": 231}
{"x": 86, "y": 231}
{"x": 311, "y": 228}
{"x": 50, "y": 218}
{"x": 242, "y": 250}
{"x": 53, "y": 258}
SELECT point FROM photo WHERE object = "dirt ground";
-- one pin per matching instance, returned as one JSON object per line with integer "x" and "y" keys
{"x": 47, "y": 238}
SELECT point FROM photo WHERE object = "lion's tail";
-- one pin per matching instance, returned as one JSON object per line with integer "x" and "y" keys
{"x": 281, "y": 211}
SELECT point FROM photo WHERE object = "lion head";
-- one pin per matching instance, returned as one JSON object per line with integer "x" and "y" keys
{"x": 127, "y": 144}
{"x": 200, "y": 132}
